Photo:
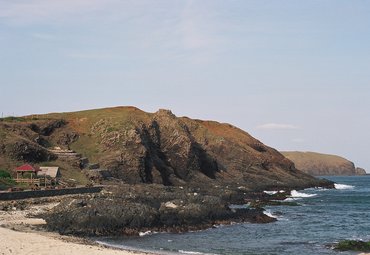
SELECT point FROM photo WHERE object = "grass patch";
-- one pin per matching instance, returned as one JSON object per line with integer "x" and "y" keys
{"x": 87, "y": 146}
{"x": 6, "y": 180}
{"x": 12, "y": 119}
{"x": 353, "y": 245}
{"x": 111, "y": 129}
{"x": 69, "y": 174}
{"x": 2, "y": 134}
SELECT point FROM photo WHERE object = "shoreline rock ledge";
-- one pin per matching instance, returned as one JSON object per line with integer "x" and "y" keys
{"x": 131, "y": 209}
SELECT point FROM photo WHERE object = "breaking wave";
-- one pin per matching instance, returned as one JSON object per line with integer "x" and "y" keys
{"x": 268, "y": 213}
{"x": 195, "y": 252}
{"x": 296, "y": 194}
{"x": 343, "y": 186}
{"x": 270, "y": 192}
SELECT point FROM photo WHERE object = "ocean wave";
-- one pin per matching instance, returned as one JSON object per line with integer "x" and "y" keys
{"x": 195, "y": 252}
{"x": 147, "y": 233}
{"x": 316, "y": 189}
{"x": 296, "y": 194}
{"x": 273, "y": 192}
{"x": 117, "y": 246}
{"x": 270, "y": 192}
{"x": 268, "y": 213}
{"x": 131, "y": 249}
{"x": 343, "y": 186}
{"x": 291, "y": 199}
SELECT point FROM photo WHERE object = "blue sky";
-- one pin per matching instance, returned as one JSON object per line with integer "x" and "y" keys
{"x": 294, "y": 74}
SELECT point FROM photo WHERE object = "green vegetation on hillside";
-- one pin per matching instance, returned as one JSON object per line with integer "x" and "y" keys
{"x": 5, "y": 180}
{"x": 12, "y": 119}
{"x": 4, "y": 174}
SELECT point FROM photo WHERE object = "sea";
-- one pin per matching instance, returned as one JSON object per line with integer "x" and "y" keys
{"x": 324, "y": 217}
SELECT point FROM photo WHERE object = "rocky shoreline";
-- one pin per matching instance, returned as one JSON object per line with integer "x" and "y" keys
{"x": 23, "y": 232}
{"x": 131, "y": 209}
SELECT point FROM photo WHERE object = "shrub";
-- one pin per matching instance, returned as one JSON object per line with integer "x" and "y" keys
{"x": 4, "y": 174}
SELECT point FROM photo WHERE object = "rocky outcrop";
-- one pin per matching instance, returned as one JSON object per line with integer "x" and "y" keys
{"x": 318, "y": 164}
{"x": 161, "y": 151}
{"x": 360, "y": 171}
{"x": 130, "y": 209}
{"x": 24, "y": 150}
{"x": 352, "y": 245}
{"x": 169, "y": 150}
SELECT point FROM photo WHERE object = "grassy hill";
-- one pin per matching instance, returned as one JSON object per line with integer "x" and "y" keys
{"x": 140, "y": 147}
{"x": 322, "y": 164}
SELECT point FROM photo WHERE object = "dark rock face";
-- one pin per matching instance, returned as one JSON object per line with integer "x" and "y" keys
{"x": 130, "y": 209}
{"x": 23, "y": 150}
{"x": 173, "y": 151}
{"x": 66, "y": 138}
{"x": 161, "y": 151}
{"x": 48, "y": 127}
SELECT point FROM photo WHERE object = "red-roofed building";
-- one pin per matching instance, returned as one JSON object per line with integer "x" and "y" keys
{"x": 27, "y": 168}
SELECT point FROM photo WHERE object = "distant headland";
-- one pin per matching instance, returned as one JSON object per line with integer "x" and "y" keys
{"x": 319, "y": 164}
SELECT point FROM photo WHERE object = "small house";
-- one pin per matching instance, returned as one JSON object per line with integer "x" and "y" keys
{"x": 50, "y": 172}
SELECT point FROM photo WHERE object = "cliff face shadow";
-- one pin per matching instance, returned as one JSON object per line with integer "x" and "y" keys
{"x": 163, "y": 154}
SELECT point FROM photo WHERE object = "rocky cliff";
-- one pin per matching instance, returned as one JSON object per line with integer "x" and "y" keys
{"x": 323, "y": 164}
{"x": 165, "y": 173}
{"x": 139, "y": 147}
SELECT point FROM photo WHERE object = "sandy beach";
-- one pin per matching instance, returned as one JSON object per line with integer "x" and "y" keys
{"x": 14, "y": 242}
{"x": 20, "y": 233}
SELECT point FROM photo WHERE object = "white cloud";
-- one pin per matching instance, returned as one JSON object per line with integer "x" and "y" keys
{"x": 277, "y": 126}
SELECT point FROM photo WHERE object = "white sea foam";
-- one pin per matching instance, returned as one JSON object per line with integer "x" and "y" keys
{"x": 189, "y": 252}
{"x": 290, "y": 199}
{"x": 296, "y": 194}
{"x": 123, "y": 247}
{"x": 322, "y": 189}
{"x": 270, "y": 192}
{"x": 343, "y": 186}
{"x": 195, "y": 252}
{"x": 146, "y": 233}
{"x": 268, "y": 213}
